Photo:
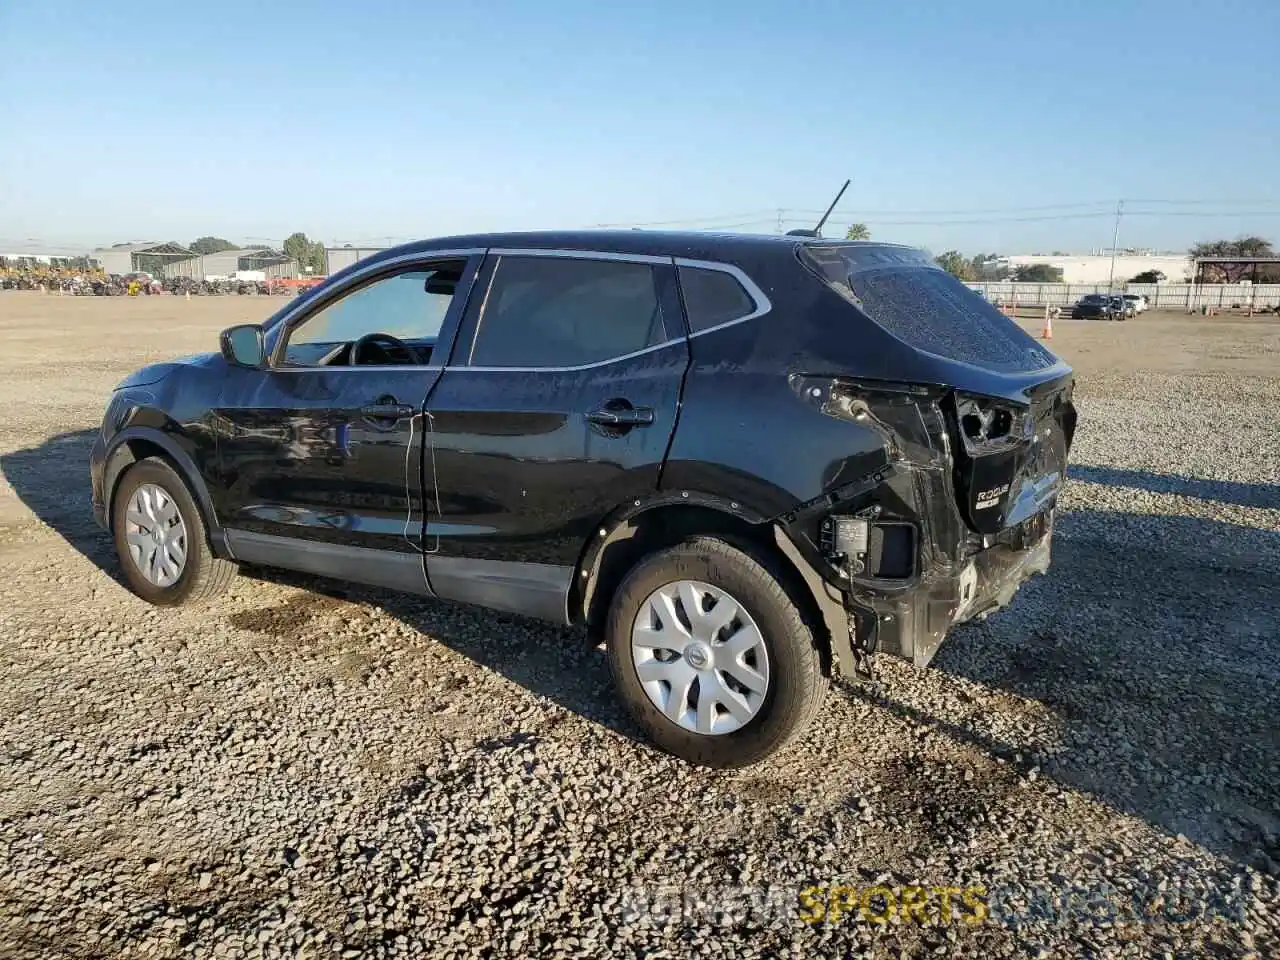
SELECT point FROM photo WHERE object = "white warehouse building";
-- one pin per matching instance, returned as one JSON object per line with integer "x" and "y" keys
{"x": 1096, "y": 268}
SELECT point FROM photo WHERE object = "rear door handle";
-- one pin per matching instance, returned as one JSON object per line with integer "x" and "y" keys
{"x": 621, "y": 417}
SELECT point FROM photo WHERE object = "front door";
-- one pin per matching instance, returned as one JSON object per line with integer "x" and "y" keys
{"x": 557, "y": 405}
{"x": 320, "y": 454}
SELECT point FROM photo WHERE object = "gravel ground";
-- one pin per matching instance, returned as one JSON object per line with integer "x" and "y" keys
{"x": 303, "y": 769}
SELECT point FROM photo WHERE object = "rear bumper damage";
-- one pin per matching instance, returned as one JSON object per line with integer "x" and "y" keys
{"x": 912, "y": 620}
{"x": 913, "y": 624}
{"x": 944, "y": 529}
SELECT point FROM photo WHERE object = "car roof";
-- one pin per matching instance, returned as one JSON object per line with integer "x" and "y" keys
{"x": 659, "y": 243}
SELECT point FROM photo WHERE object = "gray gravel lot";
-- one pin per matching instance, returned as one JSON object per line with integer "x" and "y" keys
{"x": 307, "y": 769}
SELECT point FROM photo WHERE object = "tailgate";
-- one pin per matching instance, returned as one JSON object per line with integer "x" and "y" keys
{"x": 1011, "y": 458}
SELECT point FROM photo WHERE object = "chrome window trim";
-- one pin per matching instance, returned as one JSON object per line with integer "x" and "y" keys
{"x": 581, "y": 255}
{"x": 762, "y": 302}
{"x": 758, "y": 296}
{"x": 577, "y": 367}
{"x": 369, "y": 367}
{"x": 286, "y": 323}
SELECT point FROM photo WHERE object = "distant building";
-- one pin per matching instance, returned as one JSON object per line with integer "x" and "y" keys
{"x": 1096, "y": 268}
{"x": 271, "y": 264}
{"x": 151, "y": 258}
{"x": 47, "y": 257}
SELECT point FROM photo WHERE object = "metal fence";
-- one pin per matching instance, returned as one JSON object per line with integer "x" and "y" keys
{"x": 1164, "y": 296}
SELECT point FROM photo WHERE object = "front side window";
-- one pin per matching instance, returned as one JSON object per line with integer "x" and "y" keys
{"x": 563, "y": 312}
{"x": 409, "y": 307}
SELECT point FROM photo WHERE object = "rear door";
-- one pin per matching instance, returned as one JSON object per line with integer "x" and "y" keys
{"x": 321, "y": 453}
{"x": 558, "y": 404}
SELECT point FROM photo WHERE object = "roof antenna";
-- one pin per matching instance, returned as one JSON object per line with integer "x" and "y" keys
{"x": 816, "y": 232}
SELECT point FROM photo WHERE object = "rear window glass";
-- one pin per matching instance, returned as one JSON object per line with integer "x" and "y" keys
{"x": 713, "y": 297}
{"x": 914, "y": 299}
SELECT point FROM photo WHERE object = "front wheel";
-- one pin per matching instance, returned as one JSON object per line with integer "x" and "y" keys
{"x": 160, "y": 538}
{"x": 712, "y": 655}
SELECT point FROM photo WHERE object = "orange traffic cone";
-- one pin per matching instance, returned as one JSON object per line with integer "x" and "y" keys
{"x": 1047, "y": 332}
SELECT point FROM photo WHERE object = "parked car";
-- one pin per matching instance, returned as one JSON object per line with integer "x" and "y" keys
{"x": 1137, "y": 302}
{"x": 1102, "y": 306}
{"x": 747, "y": 463}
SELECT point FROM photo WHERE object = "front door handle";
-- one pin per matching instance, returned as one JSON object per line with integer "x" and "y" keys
{"x": 611, "y": 415}
{"x": 387, "y": 412}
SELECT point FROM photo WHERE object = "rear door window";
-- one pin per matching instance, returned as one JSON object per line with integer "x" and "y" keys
{"x": 565, "y": 312}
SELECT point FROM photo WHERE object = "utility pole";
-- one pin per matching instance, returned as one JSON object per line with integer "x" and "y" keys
{"x": 1115, "y": 242}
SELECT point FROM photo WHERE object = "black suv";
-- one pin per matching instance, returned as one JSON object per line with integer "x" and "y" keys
{"x": 748, "y": 462}
{"x": 1102, "y": 306}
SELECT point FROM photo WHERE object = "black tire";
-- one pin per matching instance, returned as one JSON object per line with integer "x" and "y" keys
{"x": 203, "y": 575}
{"x": 797, "y": 683}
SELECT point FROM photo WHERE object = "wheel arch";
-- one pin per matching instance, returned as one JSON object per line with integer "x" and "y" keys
{"x": 137, "y": 443}
{"x": 636, "y": 530}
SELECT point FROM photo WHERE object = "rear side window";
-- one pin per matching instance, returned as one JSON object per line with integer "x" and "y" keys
{"x": 713, "y": 297}
{"x": 562, "y": 312}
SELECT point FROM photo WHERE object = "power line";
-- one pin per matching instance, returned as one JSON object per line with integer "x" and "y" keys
{"x": 941, "y": 223}
{"x": 1097, "y": 215}
{"x": 1189, "y": 203}
{"x": 1200, "y": 213}
{"x": 1051, "y": 206}
{"x": 763, "y": 215}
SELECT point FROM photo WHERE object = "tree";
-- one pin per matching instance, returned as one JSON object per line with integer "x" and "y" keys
{"x": 1232, "y": 272}
{"x": 298, "y": 247}
{"x": 954, "y": 262}
{"x": 1254, "y": 247}
{"x": 1038, "y": 273}
{"x": 310, "y": 256}
{"x": 318, "y": 260}
{"x": 210, "y": 245}
{"x": 1149, "y": 276}
{"x": 858, "y": 231}
{"x": 988, "y": 266}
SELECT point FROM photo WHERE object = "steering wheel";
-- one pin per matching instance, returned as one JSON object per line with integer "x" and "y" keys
{"x": 386, "y": 344}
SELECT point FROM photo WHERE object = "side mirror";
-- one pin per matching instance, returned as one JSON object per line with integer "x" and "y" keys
{"x": 243, "y": 345}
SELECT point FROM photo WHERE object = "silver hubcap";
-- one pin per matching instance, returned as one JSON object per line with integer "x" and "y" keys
{"x": 700, "y": 657}
{"x": 156, "y": 535}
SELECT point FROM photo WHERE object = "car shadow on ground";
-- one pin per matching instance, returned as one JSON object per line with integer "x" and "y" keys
{"x": 1264, "y": 495}
{"x": 558, "y": 663}
{"x": 1152, "y": 640}
{"x": 52, "y": 480}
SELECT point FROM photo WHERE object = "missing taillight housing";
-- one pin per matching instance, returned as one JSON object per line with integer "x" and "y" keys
{"x": 987, "y": 424}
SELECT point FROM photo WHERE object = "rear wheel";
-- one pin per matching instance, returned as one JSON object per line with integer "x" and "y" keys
{"x": 161, "y": 540}
{"x": 711, "y": 654}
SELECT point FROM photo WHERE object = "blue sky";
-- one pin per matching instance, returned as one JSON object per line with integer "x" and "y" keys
{"x": 384, "y": 121}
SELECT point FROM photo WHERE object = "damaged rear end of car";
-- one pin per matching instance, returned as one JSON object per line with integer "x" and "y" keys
{"x": 968, "y": 422}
